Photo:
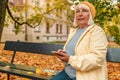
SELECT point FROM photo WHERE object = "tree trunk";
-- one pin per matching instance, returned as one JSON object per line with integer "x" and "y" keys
{"x": 3, "y": 4}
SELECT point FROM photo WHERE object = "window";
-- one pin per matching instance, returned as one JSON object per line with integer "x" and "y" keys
{"x": 10, "y": 0}
{"x": 47, "y": 27}
{"x": 36, "y": 3}
{"x": 32, "y": 1}
{"x": 16, "y": 24}
{"x": 37, "y": 28}
{"x": 59, "y": 28}
{"x": 59, "y": 13}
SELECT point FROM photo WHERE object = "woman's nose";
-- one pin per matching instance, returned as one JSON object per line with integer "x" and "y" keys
{"x": 80, "y": 13}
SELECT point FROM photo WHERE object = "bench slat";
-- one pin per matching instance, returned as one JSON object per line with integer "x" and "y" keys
{"x": 40, "y": 48}
{"x": 19, "y": 66}
{"x": 23, "y": 73}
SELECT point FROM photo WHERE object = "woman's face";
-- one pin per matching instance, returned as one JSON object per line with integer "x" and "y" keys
{"x": 82, "y": 16}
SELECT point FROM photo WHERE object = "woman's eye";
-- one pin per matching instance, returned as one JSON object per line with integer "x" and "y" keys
{"x": 77, "y": 11}
{"x": 84, "y": 10}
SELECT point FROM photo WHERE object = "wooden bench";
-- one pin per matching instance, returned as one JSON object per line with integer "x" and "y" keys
{"x": 113, "y": 55}
{"x": 22, "y": 70}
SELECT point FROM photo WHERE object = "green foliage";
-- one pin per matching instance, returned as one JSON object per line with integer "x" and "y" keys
{"x": 40, "y": 14}
{"x": 106, "y": 14}
{"x": 114, "y": 31}
{"x": 17, "y": 29}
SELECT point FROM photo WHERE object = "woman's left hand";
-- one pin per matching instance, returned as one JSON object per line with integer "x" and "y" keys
{"x": 62, "y": 55}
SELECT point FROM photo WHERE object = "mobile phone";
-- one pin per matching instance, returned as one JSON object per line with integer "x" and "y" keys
{"x": 54, "y": 52}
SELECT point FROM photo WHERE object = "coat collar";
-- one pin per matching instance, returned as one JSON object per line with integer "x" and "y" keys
{"x": 87, "y": 30}
{"x": 73, "y": 32}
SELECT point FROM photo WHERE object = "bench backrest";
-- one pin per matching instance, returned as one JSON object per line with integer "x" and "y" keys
{"x": 113, "y": 55}
{"x": 40, "y": 48}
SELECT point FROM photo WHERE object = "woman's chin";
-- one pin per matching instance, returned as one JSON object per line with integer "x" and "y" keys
{"x": 81, "y": 24}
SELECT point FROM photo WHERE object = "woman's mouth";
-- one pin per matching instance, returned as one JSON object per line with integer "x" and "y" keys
{"x": 79, "y": 19}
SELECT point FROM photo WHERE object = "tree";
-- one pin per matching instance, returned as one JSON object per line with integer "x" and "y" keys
{"x": 3, "y": 4}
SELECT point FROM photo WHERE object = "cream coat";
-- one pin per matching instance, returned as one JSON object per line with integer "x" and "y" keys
{"x": 90, "y": 54}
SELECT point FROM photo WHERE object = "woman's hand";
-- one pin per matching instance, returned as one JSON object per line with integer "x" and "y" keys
{"x": 62, "y": 55}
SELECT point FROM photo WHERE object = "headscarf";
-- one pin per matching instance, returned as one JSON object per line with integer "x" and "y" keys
{"x": 88, "y": 6}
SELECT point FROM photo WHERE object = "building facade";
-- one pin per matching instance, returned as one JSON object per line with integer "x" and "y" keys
{"x": 46, "y": 32}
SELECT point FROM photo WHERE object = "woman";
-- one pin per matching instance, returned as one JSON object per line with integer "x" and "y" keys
{"x": 86, "y": 47}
